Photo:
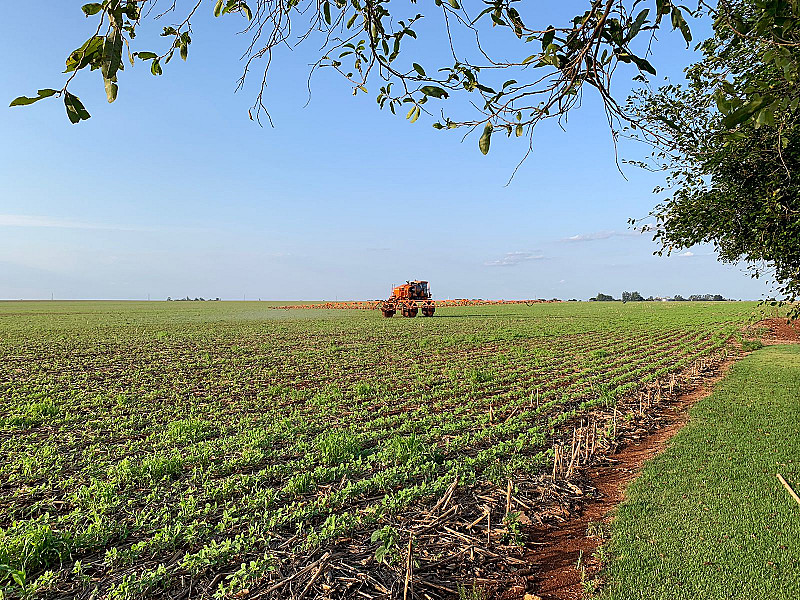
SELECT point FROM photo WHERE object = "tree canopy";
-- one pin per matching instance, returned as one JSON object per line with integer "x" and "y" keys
{"x": 540, "y": 72}
{"x": 730, "y": 143}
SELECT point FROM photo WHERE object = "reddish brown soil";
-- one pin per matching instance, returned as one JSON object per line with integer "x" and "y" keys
{"x": 780, "y": 332}
{"x": 559, "y": 549}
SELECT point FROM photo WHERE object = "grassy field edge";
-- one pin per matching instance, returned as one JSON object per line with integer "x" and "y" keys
{"x": 708, "y": 518}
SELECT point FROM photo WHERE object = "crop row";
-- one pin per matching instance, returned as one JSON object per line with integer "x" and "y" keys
{"x": 142, "y": 456}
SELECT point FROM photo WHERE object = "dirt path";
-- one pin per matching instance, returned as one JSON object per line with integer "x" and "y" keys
{"x": 558, "y": 550}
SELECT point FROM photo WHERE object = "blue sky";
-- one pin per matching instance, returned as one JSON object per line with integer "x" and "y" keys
{"x": 173, "y": 191}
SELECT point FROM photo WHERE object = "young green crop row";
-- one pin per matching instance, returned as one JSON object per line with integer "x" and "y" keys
{"x": 164, "y": 445}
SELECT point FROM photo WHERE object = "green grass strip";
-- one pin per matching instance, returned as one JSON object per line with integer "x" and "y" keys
{"x": 708, "y": 518}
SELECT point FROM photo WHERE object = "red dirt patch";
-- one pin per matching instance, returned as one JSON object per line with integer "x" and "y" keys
{"x": 780, "y": 331}
{"x": 559, "y": 549}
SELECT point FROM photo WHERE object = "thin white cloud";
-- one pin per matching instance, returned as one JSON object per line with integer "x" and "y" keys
{"x": 687, "y": 253}
{"x": 60, "y": 223}
{"x": 609, "y": 233}
{"x": 600, "y": 235}
{"x": 512, "y": 259}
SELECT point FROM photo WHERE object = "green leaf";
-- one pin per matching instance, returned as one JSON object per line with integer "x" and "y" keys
{"x": 548, "y": 36}
{"x": 184, "y": 51}
{"x": 413, "y": 114}
{"x": 88, "y": 53}
{"x": 218, "y": 7}
{"x": 24, "y": 100}
{"x": 519, "y": 130}
{"x": 92, "y": 8}
{"x": 741, "y": 114}
{"x": 112, "y": 55}
{"x": 643, "y": 64}
{"x": 155, "y": 67}
{"x": 326, "y": 11}
{"x": 247, "y": 12}
{"x": 419, "y": 69}
{"x": 678, "y": 22}
{"x": 637, "y": 24}
{"x": 454, "y": 4}
{"x": 434, "y": 90}
{"x": 131, "y": 10}
{"x": 111, "y": 90}
{"x": 145, "y": 55}
{"x": 551, "y": 59}
{"x": 19, "y": 577}
{"x": 728, "y": 87}
{"x": 229, "y": 6}
{"x": 766, "y": 117}
{"x": 486, "y": 138}
{"x": 75, "y": 109}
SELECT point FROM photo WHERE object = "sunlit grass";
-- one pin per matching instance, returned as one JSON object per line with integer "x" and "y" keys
{"x": 708, "y": 518}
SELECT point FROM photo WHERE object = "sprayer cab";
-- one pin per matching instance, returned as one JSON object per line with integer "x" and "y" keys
{"x": 409, "y": 298}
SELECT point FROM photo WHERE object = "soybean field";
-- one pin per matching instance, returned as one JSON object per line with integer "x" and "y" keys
{"x": 235, "y": 450}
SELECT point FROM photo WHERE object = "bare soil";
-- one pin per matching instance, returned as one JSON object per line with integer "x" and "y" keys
{"x": 780, "y": 332}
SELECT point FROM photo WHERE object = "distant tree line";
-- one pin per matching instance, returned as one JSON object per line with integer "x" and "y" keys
{"x": 187, "y": 299}
{"x": 637, "y": 297}
{"x": 602, "y": 298}
{"x": 632, "y": 297}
